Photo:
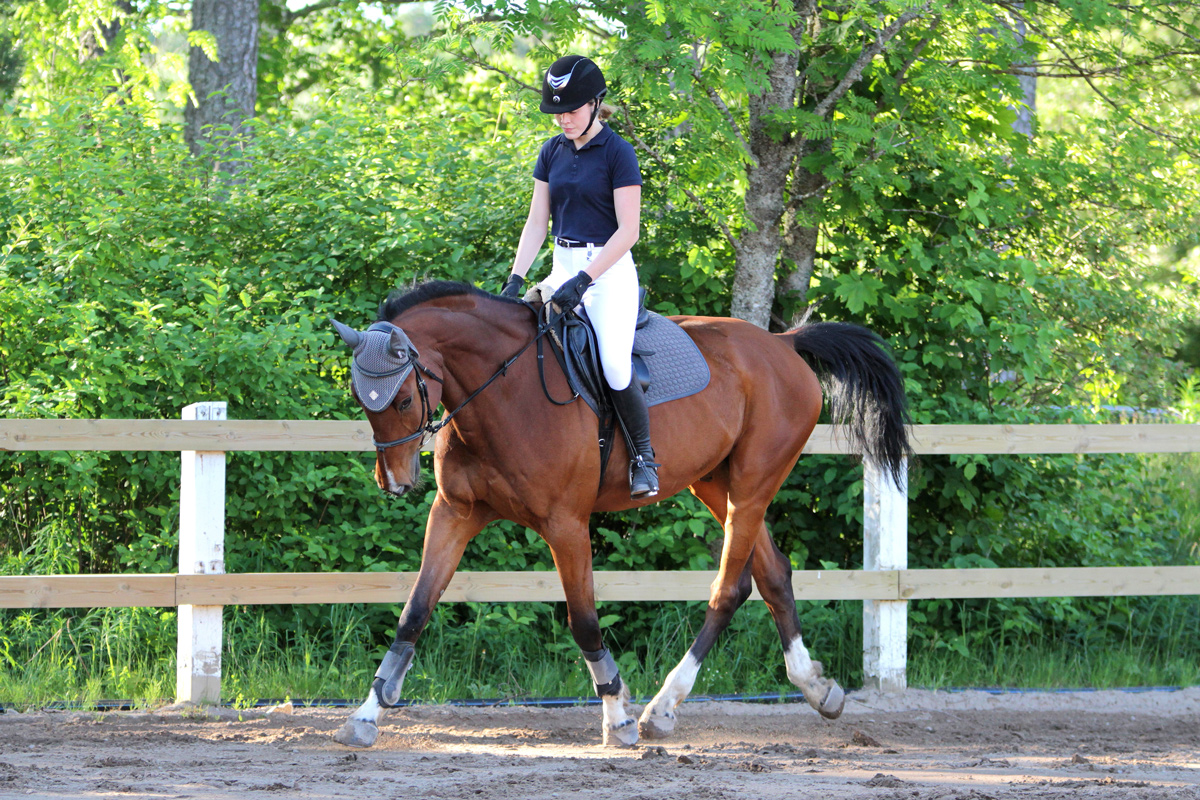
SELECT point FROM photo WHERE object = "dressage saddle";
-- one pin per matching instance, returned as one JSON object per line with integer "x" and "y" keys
{"x": 666, "y": 362}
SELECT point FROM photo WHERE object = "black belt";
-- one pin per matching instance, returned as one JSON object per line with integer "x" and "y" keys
{"x": 561, "y": 242}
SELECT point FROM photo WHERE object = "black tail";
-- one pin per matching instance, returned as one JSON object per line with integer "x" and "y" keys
{"x": 864, "y": 388}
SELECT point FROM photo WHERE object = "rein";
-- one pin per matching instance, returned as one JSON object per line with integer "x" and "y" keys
{"x": 430, "y": 427}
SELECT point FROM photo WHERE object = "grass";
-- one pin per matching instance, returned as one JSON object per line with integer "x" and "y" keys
{"x": 1053, "y": 666}
{"x": 514, "y": 651}
{"x": 485, "y": 659}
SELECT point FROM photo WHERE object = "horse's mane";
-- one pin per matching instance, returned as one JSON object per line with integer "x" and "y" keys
{"x": 398, "y": 302}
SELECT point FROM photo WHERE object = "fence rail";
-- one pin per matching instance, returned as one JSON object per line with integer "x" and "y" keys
{"x": 295, "y": 588}
{"x": 201, "y": 588}
{"x": 344, "y": 435}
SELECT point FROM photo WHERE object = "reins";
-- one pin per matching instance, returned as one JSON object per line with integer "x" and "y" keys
{"x": 430, "y": 427}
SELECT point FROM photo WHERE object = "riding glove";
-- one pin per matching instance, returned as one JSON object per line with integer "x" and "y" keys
{"x": 513, "y": 287}
{"x": 571, "y": 292}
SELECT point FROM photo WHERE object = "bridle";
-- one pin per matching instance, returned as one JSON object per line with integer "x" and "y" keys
{"x": 431, "y": 427}
{"x": 426, "y": 410}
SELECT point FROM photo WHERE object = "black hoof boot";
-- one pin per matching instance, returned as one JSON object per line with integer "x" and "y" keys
{"x": 643, "y": 471}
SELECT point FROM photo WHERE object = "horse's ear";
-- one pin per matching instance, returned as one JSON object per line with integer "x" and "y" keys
{"x": 348, "y": 334}
{"x": 400, "y": 344}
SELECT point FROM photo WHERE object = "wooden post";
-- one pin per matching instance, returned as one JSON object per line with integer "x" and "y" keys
{"x": 885, "y": 545}
{"x": 201, "y": 552}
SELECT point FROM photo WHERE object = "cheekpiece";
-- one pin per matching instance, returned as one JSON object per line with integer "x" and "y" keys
{"x": 382, "y": 362}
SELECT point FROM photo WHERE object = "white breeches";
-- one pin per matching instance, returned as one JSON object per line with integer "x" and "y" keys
{"x": 612, "y": 306}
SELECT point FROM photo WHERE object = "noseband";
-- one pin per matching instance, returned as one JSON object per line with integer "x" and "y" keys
{"x": 426, "y": 411}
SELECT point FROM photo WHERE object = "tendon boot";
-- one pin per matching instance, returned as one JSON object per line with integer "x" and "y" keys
{"x": 635, "y": 418}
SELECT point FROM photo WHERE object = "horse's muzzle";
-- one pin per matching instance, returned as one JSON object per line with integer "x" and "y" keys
{"x": 398, "y": 482}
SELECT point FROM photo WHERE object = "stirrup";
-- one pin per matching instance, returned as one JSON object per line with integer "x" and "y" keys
{"x": 647, "y": 471}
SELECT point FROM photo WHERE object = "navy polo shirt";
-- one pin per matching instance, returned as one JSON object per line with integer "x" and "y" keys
{"x": 582, "y": 183}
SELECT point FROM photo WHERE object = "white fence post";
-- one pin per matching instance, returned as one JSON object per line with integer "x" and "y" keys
{"x": 885, "y": 545}
{"x": 201, "y": 552}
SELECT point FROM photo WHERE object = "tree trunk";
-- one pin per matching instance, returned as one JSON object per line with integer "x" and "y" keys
{"x": 800, "y": 252}
{"x": 1028, "y": 108}
{"x": 94, "y": 45}
{"x": 758, "y": 249}
{"x": 775, "y": 154}
{"x": 225, "y": 89}
{"x": 799, "y": 228}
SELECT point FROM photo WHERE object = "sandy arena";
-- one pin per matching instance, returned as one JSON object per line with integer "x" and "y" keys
{"x": 924, "y": 745}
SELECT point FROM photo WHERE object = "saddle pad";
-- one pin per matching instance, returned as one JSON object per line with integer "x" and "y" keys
{"x": 677, "y": 368}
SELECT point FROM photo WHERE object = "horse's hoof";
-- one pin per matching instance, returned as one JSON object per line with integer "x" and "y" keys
{"x": 623, "y": 734}
{"x": 357, "y": 733}
{"x": 835, "y": 700}
{"x": 657, "y": 726}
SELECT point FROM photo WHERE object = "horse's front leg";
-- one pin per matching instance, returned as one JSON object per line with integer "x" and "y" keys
{"x": 446, "y": 535}
{"x": 572, "y": 551}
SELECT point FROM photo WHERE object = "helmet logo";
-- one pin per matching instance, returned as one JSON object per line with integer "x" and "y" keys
{"x": 559, "y": 82}
{"x": 557, "y": 99}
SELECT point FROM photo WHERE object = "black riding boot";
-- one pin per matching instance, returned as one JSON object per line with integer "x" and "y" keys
{"x": 643, "y": 472}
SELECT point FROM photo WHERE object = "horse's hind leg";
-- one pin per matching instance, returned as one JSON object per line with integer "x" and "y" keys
{"x": 748, "y": 551}
{"x": 773, "y": 574}
{"x": 729, "y": 591}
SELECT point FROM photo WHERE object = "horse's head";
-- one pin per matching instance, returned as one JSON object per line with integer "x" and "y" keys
{"x": 388, "y": 381}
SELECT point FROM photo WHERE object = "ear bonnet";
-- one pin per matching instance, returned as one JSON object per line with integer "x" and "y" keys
{"x": 383, "y": 359}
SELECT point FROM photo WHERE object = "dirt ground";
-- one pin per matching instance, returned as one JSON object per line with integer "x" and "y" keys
{"x": 919, "y": 745}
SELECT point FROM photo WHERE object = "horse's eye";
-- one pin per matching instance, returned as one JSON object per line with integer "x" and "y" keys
{"x": 406, "y": 403}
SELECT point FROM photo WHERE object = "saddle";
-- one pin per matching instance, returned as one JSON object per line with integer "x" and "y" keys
{"x": 666, "y": 362}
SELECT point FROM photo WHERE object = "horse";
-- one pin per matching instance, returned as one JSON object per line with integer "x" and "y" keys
{"x": 505, "y": 450}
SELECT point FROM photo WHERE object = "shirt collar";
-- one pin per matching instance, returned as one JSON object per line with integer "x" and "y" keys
{"x": 596, "y": 141}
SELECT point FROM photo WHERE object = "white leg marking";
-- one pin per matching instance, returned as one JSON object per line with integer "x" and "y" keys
{"x": 619, "y": 725}
{"x": 800, "y": 670}
{"x": 822, "y": 693}
{"x": 370, "y": 709}
{"x": 362, "y": 729}
{"x": 658, "y": 720}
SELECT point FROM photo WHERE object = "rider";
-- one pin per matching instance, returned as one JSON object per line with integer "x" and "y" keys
{"x": 588, "y": 185}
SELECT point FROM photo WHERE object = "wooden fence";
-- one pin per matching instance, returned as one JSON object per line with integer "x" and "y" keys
{"x": 201, "y": 588}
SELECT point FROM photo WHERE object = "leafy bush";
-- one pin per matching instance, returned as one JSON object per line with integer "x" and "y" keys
{"x": 133, "y": 282}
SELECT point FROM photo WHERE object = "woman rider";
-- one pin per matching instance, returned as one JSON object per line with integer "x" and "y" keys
{"x": 587, "y": 186}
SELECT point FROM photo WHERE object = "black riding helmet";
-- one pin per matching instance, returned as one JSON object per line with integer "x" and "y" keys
{"x": 571, "y": 82}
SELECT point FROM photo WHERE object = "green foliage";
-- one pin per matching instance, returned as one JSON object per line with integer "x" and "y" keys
{"x": 132, "y": 285}
{"x": 1007, "y": 275}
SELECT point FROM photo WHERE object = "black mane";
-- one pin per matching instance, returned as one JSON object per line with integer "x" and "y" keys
{"x": 399, "y": 302}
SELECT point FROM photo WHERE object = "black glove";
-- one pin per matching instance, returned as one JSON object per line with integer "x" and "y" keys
{"x": 571, "y": 292}
{"x": 513, "y": 287}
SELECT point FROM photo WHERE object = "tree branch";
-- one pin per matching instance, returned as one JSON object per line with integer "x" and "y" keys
{"x": 290, "y": 16}
{"x": 1037, "y": 69}
{"x": 658, "y": 159}
{"x": 902, "y": 74}
{"x": 479, "y": 62}
{"x": 1090, "y": 78}
{"x": 725, "y": 112}
{"x": 882, "y": 37}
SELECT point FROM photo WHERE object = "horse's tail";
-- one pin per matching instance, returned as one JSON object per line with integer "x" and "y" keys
{"x": 864, "y": 388}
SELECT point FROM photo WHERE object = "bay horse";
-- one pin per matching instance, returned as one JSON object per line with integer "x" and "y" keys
{"x": 506, "y": 451}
